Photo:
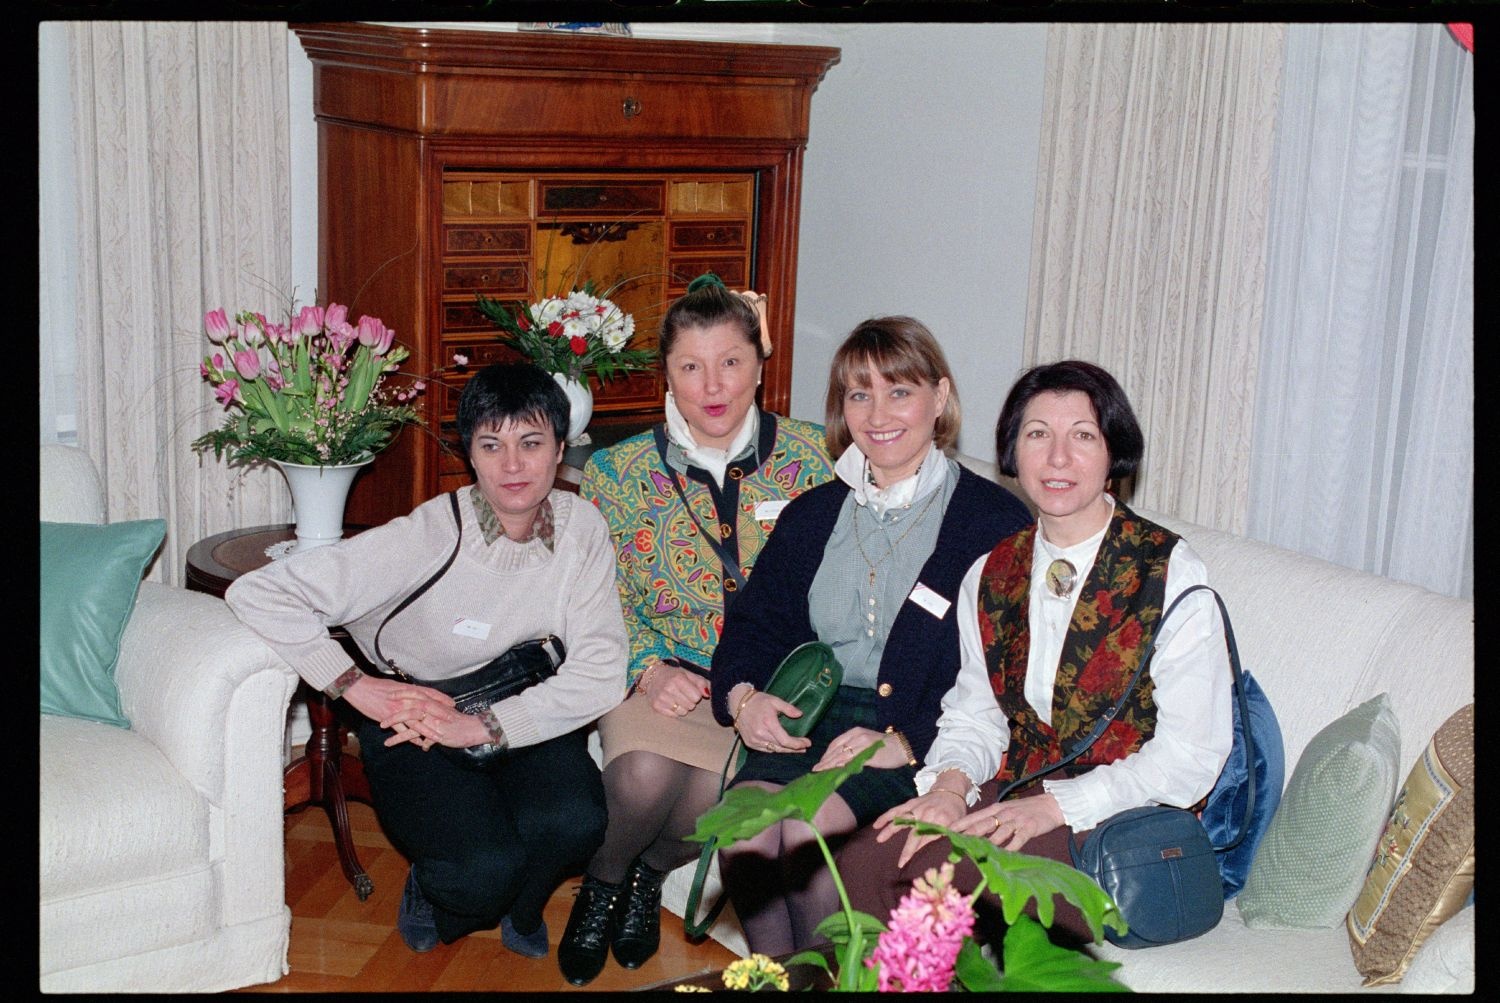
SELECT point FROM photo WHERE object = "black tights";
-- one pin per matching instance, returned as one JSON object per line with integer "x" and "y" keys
{"x": 653, "y": 803}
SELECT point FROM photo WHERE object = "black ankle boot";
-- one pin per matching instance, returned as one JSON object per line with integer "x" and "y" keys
{"x": 585, "y": 942}
{"x": 638, "y": 916}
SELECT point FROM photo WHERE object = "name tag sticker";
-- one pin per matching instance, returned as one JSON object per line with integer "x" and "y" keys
{"x": 464, "y": 627}
{"x": 930, "y": 601}
{"x": 767, "y": 511}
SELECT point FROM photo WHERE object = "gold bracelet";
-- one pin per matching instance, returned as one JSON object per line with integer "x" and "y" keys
{"x": 911, "y": 760}
{"x": 640, "y": 680}
{"x": 735, "y": 719}
{"x": 946, "y": 790}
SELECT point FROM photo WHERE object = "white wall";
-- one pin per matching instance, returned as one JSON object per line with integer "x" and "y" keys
{"x": 917, "y": 199}
{"x": 917, "y": 193}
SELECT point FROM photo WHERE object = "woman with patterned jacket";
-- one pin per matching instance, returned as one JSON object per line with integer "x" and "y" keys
{"x": 870, "y": 565}
{"x": 689, "y": 505}
{"x": 1054, "y": 621}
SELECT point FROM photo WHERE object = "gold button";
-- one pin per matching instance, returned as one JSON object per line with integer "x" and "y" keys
{"x": 735, "y": 473}
{"x": 885, "y": 689}
{"x": 729, "y": 585}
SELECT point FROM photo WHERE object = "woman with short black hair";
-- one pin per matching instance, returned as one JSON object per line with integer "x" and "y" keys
{"x": 1053, "y": 622}
{"x": 488, "y": 845}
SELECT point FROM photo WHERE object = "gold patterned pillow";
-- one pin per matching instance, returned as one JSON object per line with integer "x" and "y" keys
{"x": 1423, "y": 869}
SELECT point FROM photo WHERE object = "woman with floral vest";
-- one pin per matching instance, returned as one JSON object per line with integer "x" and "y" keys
{"x": 1053, "y": 622}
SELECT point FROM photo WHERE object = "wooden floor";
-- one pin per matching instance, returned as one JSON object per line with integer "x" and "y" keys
{"x": 340, "y": 944}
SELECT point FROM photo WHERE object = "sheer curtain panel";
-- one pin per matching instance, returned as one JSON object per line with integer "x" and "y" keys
{"x": 1149, "y": 241}
{"x": 1364, "y": 446}
{"x": 180, "y": 138}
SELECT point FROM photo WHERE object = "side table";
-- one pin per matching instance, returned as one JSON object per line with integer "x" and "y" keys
{"x": 323, "y": 775}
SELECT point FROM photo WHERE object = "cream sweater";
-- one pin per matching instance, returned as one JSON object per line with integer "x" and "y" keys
{"x": 492, "y": 597}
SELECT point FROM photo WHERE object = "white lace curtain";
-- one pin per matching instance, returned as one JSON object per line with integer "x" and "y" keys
{"x": 1147, "y": 251}
{"x": 1364, "y": 446}
{"x": 181, "y": 155}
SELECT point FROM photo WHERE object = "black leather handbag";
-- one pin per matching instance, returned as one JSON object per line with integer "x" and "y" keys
{"x": 520, "y": 668}
{"x": 1156, "y": 861}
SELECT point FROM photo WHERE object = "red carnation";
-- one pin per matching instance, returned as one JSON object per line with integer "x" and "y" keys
{"x": 578, "y": 345}
{"x": 555, "y": 329}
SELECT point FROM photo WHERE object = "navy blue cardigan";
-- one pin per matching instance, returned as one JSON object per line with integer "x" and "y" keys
{"x": 770, "y": 617}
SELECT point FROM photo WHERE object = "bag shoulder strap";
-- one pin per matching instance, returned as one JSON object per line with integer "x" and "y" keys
{"x": 691, "y": 925}
{"x": 730, "y": 561}
{"x": 458, "y": 521}
{"x": 1103, "y": 722}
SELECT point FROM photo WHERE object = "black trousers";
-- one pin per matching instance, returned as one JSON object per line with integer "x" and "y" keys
{"x": 492, "y": 842}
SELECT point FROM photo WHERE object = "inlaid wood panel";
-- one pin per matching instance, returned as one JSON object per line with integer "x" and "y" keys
{"x": 447, "y": 157}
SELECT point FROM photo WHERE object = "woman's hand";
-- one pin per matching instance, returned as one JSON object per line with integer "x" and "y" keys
{"x": 440, "y": 725}
{"x": 940, "y": 806}
{"x": 673, "y": 691}
{"x": 759, "y": 724}
{"x": 392, "y": 704}
{"x": 1010, "y": 825}
{"x": 856, "y": 740}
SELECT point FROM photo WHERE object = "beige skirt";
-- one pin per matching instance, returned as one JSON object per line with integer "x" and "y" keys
{"x": 695, "y": 738}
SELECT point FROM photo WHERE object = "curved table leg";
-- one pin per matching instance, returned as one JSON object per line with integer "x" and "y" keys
{"x": 324, "y": 776}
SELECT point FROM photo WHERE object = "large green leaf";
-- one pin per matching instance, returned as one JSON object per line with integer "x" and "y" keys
{"x": 1032, "y": 963}
{"x": 745, "y": 811}
{"x": 1017, "y": 878}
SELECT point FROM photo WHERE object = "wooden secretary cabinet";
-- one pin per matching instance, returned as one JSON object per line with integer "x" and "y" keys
{"x": 456, "y": 162}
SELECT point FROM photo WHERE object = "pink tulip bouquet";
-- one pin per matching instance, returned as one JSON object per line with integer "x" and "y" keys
{"x": 310, "y": 390}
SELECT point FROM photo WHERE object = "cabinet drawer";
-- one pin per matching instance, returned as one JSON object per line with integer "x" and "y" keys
{"x": 681, "y": 271}
{"x": 489, "y": 277}
{"x": 578, "y": 198}
{"x": 463, "y": 315}
{"x": 706, "y": 236}
{"x": 461, "y": 240}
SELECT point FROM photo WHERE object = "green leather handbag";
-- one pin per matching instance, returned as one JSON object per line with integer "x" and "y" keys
{"x": 807, "y": 678}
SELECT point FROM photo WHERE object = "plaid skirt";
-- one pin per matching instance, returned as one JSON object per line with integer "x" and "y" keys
{"x": 870, "y": 791}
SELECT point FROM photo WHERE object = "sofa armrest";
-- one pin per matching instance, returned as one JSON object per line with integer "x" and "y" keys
{"x": 192, "y": 678}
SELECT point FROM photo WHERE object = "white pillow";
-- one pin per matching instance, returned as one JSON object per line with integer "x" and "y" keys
{"x": 1445, "y": 964}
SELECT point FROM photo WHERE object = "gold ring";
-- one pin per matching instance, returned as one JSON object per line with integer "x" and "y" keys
{"x": 848, "y": 749}
{"x": 675, "y": 707}
{"x": 996, "y": 827}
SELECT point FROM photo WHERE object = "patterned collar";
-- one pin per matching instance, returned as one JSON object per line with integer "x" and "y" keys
{"x": 542, "y": 526}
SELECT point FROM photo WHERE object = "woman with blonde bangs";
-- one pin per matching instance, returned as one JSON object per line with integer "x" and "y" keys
{"x": 869, "y": 564}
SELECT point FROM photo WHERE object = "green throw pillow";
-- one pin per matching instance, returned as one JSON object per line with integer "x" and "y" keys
{"x": 1312, "y": 861}
{"x": 89, "y": 578}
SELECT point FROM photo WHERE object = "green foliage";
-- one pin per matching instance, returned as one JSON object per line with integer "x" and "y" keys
{"x": 1031, "y": 962}
{"x": 548, "y": 332}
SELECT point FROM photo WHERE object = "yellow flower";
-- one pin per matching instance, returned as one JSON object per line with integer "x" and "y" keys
{"x": 755, "y": 972}
{"x": 690, "y": 989}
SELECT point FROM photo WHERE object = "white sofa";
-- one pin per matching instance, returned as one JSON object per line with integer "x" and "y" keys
{"x": 160, "y": 846}
{"x": 1352, "y": 636}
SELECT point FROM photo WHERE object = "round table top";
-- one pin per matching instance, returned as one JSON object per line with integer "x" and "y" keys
{"x": 214, "y": 562}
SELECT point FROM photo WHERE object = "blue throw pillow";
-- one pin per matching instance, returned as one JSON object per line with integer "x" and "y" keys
{"x": 1224, "y": 814}
{"x": 89, "y": 578}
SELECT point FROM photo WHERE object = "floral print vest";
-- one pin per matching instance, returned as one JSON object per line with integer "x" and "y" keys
{"x": 1114, "y": 619}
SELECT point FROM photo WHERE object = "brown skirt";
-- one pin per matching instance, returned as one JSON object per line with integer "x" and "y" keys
{"x": 695, "y": 738}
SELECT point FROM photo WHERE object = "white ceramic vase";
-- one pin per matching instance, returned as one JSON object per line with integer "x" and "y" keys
{"x": 580, "y": 404}
{"x": 318, "y": 496}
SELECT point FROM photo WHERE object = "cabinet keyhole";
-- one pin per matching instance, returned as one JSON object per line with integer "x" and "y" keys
{"x": 631, "y": 107}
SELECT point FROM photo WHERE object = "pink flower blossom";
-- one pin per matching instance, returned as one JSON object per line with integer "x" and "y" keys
{"x": 247, "y": 363}
{"x": 217, "y": 325}
{"x": 374, "y": 335}
{"x": 227, "y": 393}
{"x": 309, "y": 321}
{"x": 926, "y": 931}
{"x": 418, "y": 387}
{"x": 274, "y": 379}
{"x": 203, "y": 370}
{"x": 341, "y": 335}
{"x": 250, "y": 334}
{"x": 218, "y": 360}
{"x": 459, "y": 359}
{"x": 336, "y": 315}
